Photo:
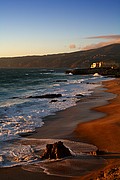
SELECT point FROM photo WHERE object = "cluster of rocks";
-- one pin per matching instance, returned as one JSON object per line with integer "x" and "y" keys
{"x": 47, "y": 96}
{"x": 55, "y": 151}
{"x": 104, "y": 71}
{"x": 42, "y": 96}
{"x": 109, "y": 174}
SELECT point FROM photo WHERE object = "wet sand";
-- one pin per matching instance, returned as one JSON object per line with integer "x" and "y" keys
{"x": 79, "y": 123}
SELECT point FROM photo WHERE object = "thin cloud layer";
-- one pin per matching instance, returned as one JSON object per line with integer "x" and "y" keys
{"x": 105, "y": 37}
{"x": 112, "y": 39}
{"x": 72, "y": 46}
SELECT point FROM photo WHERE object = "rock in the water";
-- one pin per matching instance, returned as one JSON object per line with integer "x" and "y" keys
{"x": 55, "y": 151}
{"x": 79, "y": 95}
{"x": 54, "y": 100}
{"x": 61, "y": 80}
{"x": 47, "y": 96}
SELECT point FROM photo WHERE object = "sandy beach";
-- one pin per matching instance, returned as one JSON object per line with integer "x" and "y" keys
{"x": 105, "y": 132}
{"x": 94, "y": 120}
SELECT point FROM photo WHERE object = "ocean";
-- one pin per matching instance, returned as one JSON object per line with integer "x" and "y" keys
{"x": 22, "y": 107}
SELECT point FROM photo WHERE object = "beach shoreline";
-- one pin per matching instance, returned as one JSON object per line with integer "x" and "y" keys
{"x": 63, "y": 126}
{"x": 68, "y": 119}
{"x": 105, "y": 134}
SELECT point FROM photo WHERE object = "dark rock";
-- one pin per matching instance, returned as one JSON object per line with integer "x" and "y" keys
{"x": 25, "y": 134}
{"x": 48, "y": 152}
{"x": 64, "y": 100}
{"x": 61, "y": 80}
{"x": 55, "y": 151}
{"x": 14, "y": 97}
{"x": 47, "y": 96}
{"x": 104, "y": 71}
{"x": 102, "y": 174}
{"x": 100, "y": 152}
{"x": 113, "y": 170}
{"x": 79, "y": 95}
{"x": 111, "y": 173}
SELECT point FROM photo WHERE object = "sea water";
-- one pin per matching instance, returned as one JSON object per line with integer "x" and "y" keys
{"x": 20, "y": 114}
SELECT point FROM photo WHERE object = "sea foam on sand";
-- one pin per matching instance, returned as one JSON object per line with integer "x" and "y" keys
{"x": 27, "y": 153}
{"x": 75, "y": 165}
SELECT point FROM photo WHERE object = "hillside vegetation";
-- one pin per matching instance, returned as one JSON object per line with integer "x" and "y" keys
{"x": 82, "y": 59}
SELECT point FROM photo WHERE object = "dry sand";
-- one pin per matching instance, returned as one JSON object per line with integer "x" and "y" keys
{"x": 103, "y": 132}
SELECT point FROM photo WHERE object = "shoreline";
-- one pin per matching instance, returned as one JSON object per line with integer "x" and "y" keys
{"x": 105, "y": 134}
{"x": 62, "y": 126}
{"x": 107, "y": 124}
{"x": 68, "y": 119}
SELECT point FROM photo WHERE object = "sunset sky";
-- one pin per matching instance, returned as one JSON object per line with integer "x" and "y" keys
{"x": 37, "y": 27}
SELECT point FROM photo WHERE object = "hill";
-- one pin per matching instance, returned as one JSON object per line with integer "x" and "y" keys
{"x": 83, "y": 59}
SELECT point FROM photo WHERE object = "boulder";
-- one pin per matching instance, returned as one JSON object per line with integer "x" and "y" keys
{"x": 55, "y": 151}
{"x": 54, "y": 100}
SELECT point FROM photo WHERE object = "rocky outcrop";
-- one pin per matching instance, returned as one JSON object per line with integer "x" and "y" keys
{"x": 105, "y": 71}
{"x": 47, "y": 96}
{"x": 112, "y": 173}
{"x": 41, "y": 96}
{"x": 55, "y": 151}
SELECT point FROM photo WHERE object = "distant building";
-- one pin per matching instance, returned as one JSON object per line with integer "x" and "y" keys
{"x": 96, "y": 65}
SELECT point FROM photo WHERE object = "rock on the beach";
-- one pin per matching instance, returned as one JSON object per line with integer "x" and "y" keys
{"x": 55, "y": 151}
{"x": 97, "y": 152}
{"x": 112, "y": 173}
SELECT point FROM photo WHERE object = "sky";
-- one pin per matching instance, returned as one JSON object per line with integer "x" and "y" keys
{"x": 41, "y": 27}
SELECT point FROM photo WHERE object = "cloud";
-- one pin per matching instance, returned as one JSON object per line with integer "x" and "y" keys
{"x": 72, "y": 46}
{"x": 111, "y": 40}
{"x": 105, "y": 37}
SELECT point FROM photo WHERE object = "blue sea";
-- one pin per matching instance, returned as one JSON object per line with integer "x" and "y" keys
{"x": 21, "y": 114}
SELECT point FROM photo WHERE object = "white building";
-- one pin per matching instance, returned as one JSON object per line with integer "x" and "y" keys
{"x": 96, "y": 65}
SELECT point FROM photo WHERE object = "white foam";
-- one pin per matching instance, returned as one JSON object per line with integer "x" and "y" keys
{"x": 24, "y": 151}
{"x": 23, "y": 115}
